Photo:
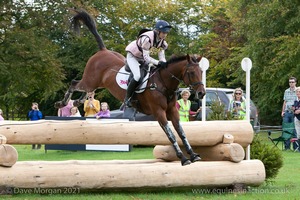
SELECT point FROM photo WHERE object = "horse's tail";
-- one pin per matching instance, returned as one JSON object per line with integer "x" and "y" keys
{"x": 89, "y": 21}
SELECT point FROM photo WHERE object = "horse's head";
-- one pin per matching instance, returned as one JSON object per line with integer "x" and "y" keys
{"x": 187, "y": 69}
{"x": 192, "y": 76}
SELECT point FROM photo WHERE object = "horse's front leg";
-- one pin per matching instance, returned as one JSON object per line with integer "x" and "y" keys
{"x": 174, "y": 117}
{"x": 165, "y": 126}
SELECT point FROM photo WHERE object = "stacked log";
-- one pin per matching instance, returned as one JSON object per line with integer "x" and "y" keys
{"x": 126, "y": 175}
{"x": 225, "y": 151}
{"x": 198, "y": 133}
{"x": 220, "y": 152}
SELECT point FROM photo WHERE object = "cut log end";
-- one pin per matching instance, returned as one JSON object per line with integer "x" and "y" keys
{"x": 228, "y": 138}
{"x": 8, "y": 155}
{"x": 3, "y": 139}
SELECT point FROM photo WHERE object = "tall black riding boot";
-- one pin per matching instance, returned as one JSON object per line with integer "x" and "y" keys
{"x": 130, "y": 90}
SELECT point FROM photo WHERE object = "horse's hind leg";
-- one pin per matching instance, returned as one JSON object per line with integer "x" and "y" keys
{"x": 81, "y": 100}
{"x": 171, "y": 137}
{"x": 68, "y": 95}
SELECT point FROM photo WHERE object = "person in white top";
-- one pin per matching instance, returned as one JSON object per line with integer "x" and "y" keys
{"x": 75, "y": 112}
{"x": 140, "y": 51}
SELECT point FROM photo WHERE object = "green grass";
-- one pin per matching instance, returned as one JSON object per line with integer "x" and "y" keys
{"x": 285, "y": 186}
{"x": 25, "y": 154}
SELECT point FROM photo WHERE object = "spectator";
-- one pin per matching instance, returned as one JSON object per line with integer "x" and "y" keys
{"x": 237, "y": 106}
{"x": 183, "y": 106}
{"x": 1, "y": 115}
{"x": 35, "y": 114}
{"x": 91, "y": 105}
{"x": 296, "y": 108}
{"x": 104, "y": 112}
{"x": 287, "y": 110}
{"x": 66, "y": 110}
{"x": 75, "y": 112}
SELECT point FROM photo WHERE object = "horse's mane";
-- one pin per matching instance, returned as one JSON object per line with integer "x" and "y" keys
{"x": 178, "y": 58}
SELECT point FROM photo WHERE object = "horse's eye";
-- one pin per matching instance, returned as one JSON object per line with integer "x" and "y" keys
{"x": 192, "y": 73}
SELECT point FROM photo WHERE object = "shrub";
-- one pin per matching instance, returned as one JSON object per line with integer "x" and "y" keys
{"x": 219, "y": 113}
{"x": 270, "y": 156}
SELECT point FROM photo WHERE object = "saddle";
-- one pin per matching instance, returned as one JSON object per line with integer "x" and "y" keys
{"x": 125, "y": 75}
{"x": 144, "y": 71}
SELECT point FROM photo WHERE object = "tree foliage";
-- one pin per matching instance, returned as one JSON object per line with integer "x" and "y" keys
{"x": 272, "y": 32}
{"x": 40, "y": 55}
{"x": 30, "y": 69}
{"x": 265, "y": 31}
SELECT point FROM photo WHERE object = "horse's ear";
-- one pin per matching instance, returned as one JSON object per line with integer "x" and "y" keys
{"x": 188, "y": 57}
{"x": 198, "y": 58}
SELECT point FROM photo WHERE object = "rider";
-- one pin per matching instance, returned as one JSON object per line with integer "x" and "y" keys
{"x": 140, "y": 51}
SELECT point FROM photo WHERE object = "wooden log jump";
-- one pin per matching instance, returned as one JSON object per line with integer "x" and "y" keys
{"x": 199, "y": 133}
{"x": 126, "y": 175}
{"x": 220, "y": 152}
{"x": 224, "y": 139}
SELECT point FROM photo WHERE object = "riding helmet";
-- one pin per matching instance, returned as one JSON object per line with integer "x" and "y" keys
{"x": 163, "y": 26}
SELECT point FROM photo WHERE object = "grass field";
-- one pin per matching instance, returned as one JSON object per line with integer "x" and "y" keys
{"x": 285, "y": 186}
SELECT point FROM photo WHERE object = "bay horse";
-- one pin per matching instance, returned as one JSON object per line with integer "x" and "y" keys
{"x": 102, "y": 68}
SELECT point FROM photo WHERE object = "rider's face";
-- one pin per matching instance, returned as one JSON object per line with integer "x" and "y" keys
{"x": 162, "y": 35}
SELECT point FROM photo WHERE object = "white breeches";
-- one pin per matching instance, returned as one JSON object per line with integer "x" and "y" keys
{"x": 134, "y": 66}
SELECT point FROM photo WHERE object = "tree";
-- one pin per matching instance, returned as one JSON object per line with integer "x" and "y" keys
{"x": 37, "y": 45}
{"x": 28, "y": 59}
{"x": 265, "y": 31}
{"x": 272, "y": 32}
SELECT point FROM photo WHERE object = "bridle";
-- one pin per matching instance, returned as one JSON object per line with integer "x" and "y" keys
{"x": 186, "y": 73}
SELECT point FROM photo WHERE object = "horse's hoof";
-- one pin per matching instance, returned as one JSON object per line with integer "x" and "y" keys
{"x": 195, "y": 157}
{"x": 185, "y": 162}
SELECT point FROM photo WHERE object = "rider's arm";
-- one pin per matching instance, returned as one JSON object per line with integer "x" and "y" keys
{"x": 146, "y": 45}
{"x": 161, "y": 56}
{"x": 161, "y": 53}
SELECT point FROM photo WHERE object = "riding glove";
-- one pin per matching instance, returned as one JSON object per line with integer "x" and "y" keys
{"x": 162, "y": 64}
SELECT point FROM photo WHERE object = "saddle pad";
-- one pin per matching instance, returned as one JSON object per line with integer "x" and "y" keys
{"x": 122, "y": 80}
